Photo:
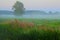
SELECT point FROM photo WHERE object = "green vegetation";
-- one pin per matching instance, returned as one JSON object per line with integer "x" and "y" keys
{"x": 18, "y": 8}
{"x": 30, "y": 29}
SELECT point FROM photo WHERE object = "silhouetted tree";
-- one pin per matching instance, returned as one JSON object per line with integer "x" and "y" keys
{"x": 18, "y": 8}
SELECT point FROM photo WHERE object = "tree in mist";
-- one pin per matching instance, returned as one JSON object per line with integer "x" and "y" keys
{"x": 18, "y": 8}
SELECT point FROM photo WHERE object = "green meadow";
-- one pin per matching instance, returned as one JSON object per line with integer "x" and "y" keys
{"x": 29, "y": 29}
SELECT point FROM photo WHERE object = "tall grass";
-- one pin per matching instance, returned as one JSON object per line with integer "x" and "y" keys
{"x": 23, "y": 30}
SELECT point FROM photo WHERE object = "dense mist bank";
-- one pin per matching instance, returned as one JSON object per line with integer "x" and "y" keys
{"x": 5, "y": 12}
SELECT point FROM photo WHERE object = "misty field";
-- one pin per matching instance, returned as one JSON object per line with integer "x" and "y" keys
{"x": 29, "y": 29}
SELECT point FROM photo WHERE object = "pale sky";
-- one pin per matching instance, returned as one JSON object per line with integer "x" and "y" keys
{"x": 32, "y": 4}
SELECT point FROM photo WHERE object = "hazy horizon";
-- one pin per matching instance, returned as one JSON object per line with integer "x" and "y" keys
{"x": 46, "y": 5}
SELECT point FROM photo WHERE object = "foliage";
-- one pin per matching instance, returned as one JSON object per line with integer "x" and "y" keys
{"x": 18, "y": 8}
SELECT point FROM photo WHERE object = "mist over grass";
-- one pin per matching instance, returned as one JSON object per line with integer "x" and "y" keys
{"x": 20, "y": 28}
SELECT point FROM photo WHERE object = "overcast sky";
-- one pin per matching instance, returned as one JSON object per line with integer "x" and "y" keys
{"x": 32, "y": 4}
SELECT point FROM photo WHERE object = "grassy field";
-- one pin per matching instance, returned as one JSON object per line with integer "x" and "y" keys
{"x": 29, "y": 29}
